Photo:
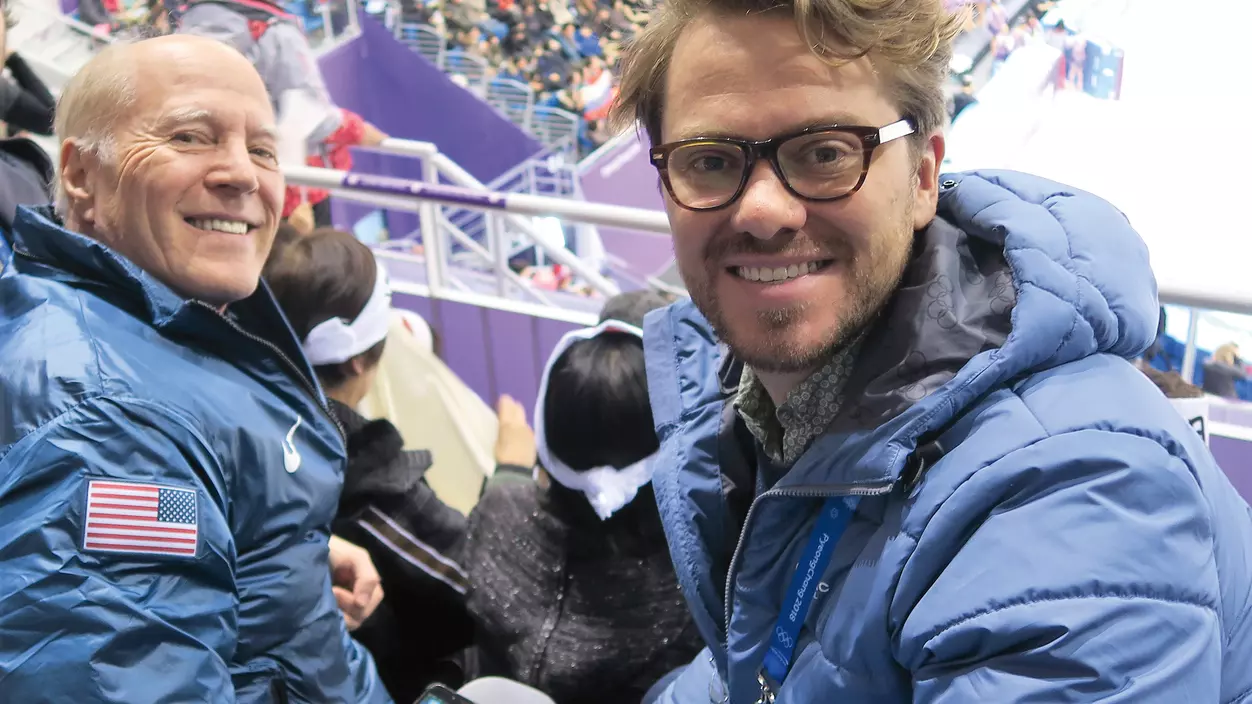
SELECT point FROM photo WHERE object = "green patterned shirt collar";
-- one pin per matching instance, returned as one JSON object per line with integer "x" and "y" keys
{"x": 785, "y": 432}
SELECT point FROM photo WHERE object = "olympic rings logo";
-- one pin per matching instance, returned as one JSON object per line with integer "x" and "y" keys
{"x": 783, "y": 637}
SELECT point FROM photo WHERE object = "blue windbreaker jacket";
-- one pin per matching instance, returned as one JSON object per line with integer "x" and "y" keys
{"x": 1038, "y": 524}
{"x": 107, "y": 376}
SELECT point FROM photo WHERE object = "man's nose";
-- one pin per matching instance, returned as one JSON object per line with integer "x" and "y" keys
{"x": 767, "y": 208}
{"x": 235, "y": 169}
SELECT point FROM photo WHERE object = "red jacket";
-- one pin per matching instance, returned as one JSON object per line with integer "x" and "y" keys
{"x": 338, "y": 149}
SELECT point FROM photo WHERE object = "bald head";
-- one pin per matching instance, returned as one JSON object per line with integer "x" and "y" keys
{"x": 105, "y": 89}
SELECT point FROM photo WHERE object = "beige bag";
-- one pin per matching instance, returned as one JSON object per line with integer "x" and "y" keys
{"x": 435, "y": 411}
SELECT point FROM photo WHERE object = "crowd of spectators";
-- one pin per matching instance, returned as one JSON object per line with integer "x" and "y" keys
{"x": 565, "y": 52}
{"x": 559, "y": 577}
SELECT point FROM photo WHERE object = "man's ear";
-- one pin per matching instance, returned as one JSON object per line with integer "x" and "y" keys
{"x": 75, "y": 175}
{"x": 927, "y": 179}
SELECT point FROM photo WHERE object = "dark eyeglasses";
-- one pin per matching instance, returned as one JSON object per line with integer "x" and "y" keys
{"x": 818, "y": 163}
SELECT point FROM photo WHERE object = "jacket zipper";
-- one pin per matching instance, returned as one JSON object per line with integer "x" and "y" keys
{"x": 793, "y": 492}
{"x": 291, "y": 366}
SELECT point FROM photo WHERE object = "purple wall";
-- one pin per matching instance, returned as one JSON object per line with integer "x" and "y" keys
{"x": 623, "y": 176}
{"x": 494, "y": 352}
{"x": 406, "y": 96}
{"x": 1235, "y": 458}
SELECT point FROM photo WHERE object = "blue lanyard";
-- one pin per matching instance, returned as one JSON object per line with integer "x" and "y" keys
{"x": 833, "y": 521}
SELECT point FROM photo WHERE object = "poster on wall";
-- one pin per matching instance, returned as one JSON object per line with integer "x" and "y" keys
{"x": 1196, "y": 411}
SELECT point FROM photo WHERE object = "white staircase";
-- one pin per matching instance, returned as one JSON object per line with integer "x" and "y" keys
{"x": 55, "y": 46}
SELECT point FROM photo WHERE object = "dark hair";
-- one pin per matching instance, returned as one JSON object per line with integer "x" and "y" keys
{"x": 325, "y": 274}
{"x": 596, "y": 413}
{"x": 631, "y": 307}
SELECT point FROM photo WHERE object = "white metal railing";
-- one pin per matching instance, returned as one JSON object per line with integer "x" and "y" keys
{"x": 508, "y": 215}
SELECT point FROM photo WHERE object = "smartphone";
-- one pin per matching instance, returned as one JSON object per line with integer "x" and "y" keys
{"x": 439, "y": 694}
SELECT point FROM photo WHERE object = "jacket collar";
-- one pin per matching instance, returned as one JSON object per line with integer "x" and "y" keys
{"x": 44, "y": 248}
{"x": 1004, "y": 248}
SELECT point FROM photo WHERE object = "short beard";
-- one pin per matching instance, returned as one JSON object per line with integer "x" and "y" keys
{"x": 779, "y": 357}
{"x": 773, "y": 354}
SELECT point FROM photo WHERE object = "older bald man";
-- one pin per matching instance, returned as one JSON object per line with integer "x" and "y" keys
{"x": 168, "y": 467}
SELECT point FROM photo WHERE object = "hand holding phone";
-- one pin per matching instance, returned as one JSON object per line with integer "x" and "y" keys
{"x": 439, "y": 694}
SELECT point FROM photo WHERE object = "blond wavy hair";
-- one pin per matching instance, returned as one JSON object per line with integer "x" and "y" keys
{"x": 1227, "y": 354}
{"x": 908, "y": 41}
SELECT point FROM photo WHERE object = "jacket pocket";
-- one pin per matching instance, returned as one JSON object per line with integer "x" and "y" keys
{"x": 261, "y": 681}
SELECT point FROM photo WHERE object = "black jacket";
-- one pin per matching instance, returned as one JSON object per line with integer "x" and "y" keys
{"x": 1220, "y": 378}
{"x": 586, "y": 611}
{"x": 25, "y": 102}
{"x": 25, "y": 179}
{"x": 387, "y": 508}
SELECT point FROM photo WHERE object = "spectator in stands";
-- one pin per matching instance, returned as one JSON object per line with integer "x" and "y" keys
{"x": 588, "y": 42}
{"x": 572, "y": 586}
{"x": 281, "y": 53}
{"x": 964, "y": 98}
{"x": 461, "y": 17}
{"x": 26, "y": 105}
{"x": 1222, "y": 370}
{"x": 97, "y": 14}
{"x": 552, "y": 66}
{"x": 995, "y": 17}
{"x": 337, "y": 299}
{"x": 536, "y": 21}
{"x": 903, "y": 456}
{"x": 627, "y": 18}
{"x": 1002, "y": 45}
{"x": 518, "y": 43}
{"x": 1076, "y": 61}
{"x": 568, "y": 38}
{"x": 510, "y": 71}
{"x": 25, "y": 179}
{"x": 1058, "y": 39}
{"x": 169, "y": 468}
{"x": 25, "y": 170}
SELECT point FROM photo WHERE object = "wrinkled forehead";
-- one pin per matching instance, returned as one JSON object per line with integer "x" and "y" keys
{"x": 186, "y": 111}
{"x": 222, "y": 102}
{"x": 228, "y": 78}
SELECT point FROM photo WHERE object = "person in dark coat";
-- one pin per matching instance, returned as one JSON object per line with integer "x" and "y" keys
{"x": 26, "y": 104}
{"x": 1223, "y": 370}
{"x": 336, "y": 297}
{"x": 572, "y": 589}
{"x": 25, "y": 170}
{"x": 25, "y": 179}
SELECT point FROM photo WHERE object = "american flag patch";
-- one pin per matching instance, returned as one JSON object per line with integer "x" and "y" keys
{"x": 141, "y": 518}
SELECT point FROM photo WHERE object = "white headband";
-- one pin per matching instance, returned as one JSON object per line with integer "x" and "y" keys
{"x": 608, "y": 489}
{"x": 335, "y": 341}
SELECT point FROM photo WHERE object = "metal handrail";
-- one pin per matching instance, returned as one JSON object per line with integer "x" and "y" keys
{"x": 453, "y": 172}
{"x": 514, "y": 203}
{"x": 407, "y": 194}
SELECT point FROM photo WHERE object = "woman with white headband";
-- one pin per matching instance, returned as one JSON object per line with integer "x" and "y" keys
{"x": 572, "y": 587}
{"x": 337, "y": 299}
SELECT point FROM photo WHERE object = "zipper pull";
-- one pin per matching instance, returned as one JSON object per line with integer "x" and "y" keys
{"x": 717, "y": 688}
{"x": 767, "y": 694}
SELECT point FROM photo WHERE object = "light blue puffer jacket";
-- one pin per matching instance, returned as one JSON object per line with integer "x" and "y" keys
{"x": 1039, "y": 524}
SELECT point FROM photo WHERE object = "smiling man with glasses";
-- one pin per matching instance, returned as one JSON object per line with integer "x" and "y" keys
{"x": 904, "y": 457}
